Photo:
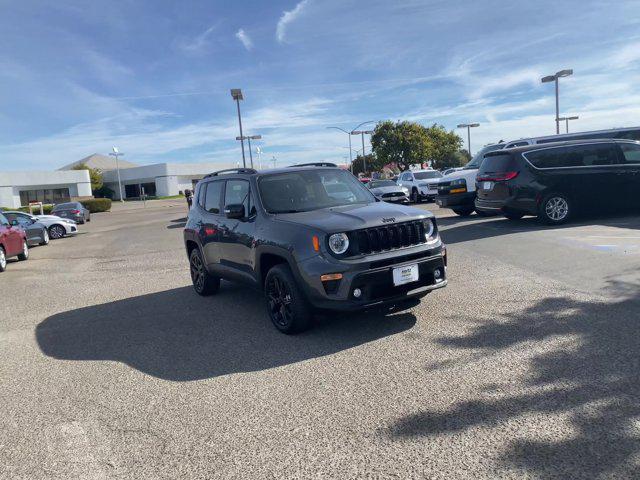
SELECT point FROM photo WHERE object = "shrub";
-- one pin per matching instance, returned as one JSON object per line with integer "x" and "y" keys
{"x": 95, "y": 205}
{"x": 46, "y": 209}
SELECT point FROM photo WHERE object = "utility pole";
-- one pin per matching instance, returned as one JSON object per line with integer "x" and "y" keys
{"x": 554, "y": 78}
{"x": 468, "y": 126}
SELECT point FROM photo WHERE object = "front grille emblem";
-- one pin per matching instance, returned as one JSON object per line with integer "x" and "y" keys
{"x": 388, "y": 220}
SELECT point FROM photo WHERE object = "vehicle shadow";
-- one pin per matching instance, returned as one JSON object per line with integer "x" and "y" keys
{"x": 458, "y": 232}
{"x": 177, "y": 335}
{"x": 595, "y": 383}
{"x": 178, "y": 223}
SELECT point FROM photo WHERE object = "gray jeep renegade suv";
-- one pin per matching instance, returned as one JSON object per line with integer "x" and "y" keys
{"x": 310, "y": 237}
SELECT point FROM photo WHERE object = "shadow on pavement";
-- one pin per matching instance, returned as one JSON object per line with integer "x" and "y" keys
{"x": 178, "y": 223}
{"x": 594, "y": 382}
{"x": 177, "y": 335}
{"x": 457, "y": 231}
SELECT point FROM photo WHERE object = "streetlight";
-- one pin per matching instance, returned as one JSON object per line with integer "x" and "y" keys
{"x": 259, "y": 152}
{"x": 566, "y": 121}
{"x": 554, "y": 78}
{"x": 248, "y": 139}
{"x": 362, "y": 133}
{"x": 116, "y": 153}
{"x": 349, "y": 134}
{"x": 236, "y": 94}
{"x": 468, "y": 126}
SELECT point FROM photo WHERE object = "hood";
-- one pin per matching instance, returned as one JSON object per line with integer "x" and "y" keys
{"x": 354, "y": 217}
{"x": 389, "y": 189}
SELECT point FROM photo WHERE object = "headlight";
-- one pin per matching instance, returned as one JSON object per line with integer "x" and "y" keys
{"x": 430, "y": 230}
{"x": 405, "y": 190}
{"x": 339, "y": 243}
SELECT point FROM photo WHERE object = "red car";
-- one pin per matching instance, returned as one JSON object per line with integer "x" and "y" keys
{"x": 13, "y": 243}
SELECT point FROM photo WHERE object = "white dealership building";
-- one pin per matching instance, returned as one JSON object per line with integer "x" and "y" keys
{"x": 20, "y": 188}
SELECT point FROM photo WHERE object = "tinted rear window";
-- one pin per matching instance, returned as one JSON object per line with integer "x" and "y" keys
{"x": 65, "y": 206}
{"x": 425, "y": 175}
{"x": 574, "y": 156}
{"x": 502, "y": 162}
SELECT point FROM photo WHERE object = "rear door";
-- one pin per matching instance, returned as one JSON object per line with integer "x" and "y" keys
{"x": 630, "y": 173}
{"x": 210, "y": 206}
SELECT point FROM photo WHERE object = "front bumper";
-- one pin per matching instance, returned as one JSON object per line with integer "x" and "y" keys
{"x": 465, "y": 199}
{"x": 373, "y": 275}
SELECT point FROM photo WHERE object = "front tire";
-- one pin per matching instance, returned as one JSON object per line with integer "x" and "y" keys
{"x": 45, "y": 237}
{"x": 463, "y": 212}
{"x": 415, "y": 196}
{"x": 56, "y": 231}
{"x": 3, "y": 260}
{"x": 555, "y": 209}
{"x": 25, "y": 252}
{"x": 287, "y": 307}
{"x": 204, "y": 283}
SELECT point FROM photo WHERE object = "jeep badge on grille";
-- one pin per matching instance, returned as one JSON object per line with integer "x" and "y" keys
{"x": 388, "y": 220}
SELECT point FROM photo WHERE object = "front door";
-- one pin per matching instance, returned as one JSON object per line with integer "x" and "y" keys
{"x": 210, "y": 205}
{"x": 237, "y": 235}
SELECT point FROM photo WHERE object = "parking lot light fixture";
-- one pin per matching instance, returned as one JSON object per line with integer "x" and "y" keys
{"x": 554, "y": 78}
{"x": 468, "y": 126}
{"x": 566, "y": 121}
{"x": 349, "y": 133}
{"x": 236, "y": 94}
{"x": 116, "y": 153}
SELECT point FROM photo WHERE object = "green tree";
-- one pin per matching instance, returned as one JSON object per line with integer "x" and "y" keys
{"x": 407, "y": 143}
{"x": 372, "y": 164}
{"x": 457, "y": 159}
{"x": 95, "y": 176}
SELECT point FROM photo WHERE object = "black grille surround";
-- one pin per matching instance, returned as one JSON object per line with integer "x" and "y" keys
{"x": 392, "y": 194}
{"x": 387, "y": 237}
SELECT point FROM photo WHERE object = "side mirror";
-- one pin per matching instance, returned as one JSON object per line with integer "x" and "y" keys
{"x": 234, "y": 211}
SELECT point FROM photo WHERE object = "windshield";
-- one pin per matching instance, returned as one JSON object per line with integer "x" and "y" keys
{"x": 382, "y": 183}
{"x": 425, "y": 175}
{"x": 307, "y": 190}
{"x": 476, "y": 161}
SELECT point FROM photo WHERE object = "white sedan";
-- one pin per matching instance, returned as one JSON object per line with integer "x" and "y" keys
{"x": 58, "y": 227}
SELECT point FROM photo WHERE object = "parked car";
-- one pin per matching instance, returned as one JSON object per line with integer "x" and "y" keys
{"x": 58, "y": 227}
{"x": 458, "y": 189}
{"x": 555, "y": 180}
{"x": 421, "y": 184}
{"x": 13, "y": 242}
{"x": 73, "y": 211}
{"x": 389, "y": 191}
{"x": 37, "y": 232}
{"x": 281, "y": 231}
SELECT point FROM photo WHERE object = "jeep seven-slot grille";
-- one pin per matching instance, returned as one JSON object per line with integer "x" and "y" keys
{"x": 388, "y": 237}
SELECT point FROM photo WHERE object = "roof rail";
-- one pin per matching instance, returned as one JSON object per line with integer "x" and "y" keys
{"x": 245, "y": 171}
{"x": 315, "y": 164}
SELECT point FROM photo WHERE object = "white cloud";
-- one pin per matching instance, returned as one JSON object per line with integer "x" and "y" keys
{"x": 198, "y": 43}
{"x": 287, "y": 18}
{"x": 627, "y": 56}
{"x": 245, "y": 39}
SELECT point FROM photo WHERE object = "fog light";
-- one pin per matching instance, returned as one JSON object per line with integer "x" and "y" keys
{"x": 437, "y": 274}
{"x": 357, "y": 292}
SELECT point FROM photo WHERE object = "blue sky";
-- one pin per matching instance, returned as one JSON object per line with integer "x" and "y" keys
{"x": 153, "y": 77}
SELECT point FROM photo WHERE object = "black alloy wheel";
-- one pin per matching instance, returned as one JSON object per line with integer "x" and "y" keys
{"x": 203, "y": 282}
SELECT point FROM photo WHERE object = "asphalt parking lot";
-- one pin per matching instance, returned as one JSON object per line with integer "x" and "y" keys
{"x": 525, "y": 366}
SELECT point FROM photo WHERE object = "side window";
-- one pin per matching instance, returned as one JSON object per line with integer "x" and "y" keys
{"x": 574, "y": 156}
{"x": 3, "y": 220}
{"x": 630, "y": 153}
{"x": 201, "y": 194}
{"x": 22, "y": 220}
{"x": 237, "y": 192}
{"x": 212, "y": 197}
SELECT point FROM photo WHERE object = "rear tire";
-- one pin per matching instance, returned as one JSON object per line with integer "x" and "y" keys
{"x": 287, "y": 306}
{"x": 204, "y": 283}
{"x": 3, "y": 260}
{"x": 463, "y": 212}
{"x": 555, "y": 209}
{"x": 25, "y": 252}
{"x": 415, "y": 196}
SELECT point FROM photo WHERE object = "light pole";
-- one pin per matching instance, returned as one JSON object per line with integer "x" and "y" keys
{"x": 362, "y": 134}
{"x": 554, "y": 78}
{"x": 236, "y": 94}
{"x": 248, "y": 139}
{"x": 349, "y": 135}
{"x": 259, "y": 152}
{"x": 468, "y": 126}
{"x": 566, "y": 121}
{"x": 116, "y": 153}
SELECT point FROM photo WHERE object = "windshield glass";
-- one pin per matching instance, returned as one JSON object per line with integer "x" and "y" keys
{"x": 425, "y": 175}
{"x": 303, "y": 191}
{"x": 476, "y": 161}
{"x": 382, "y": 183}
